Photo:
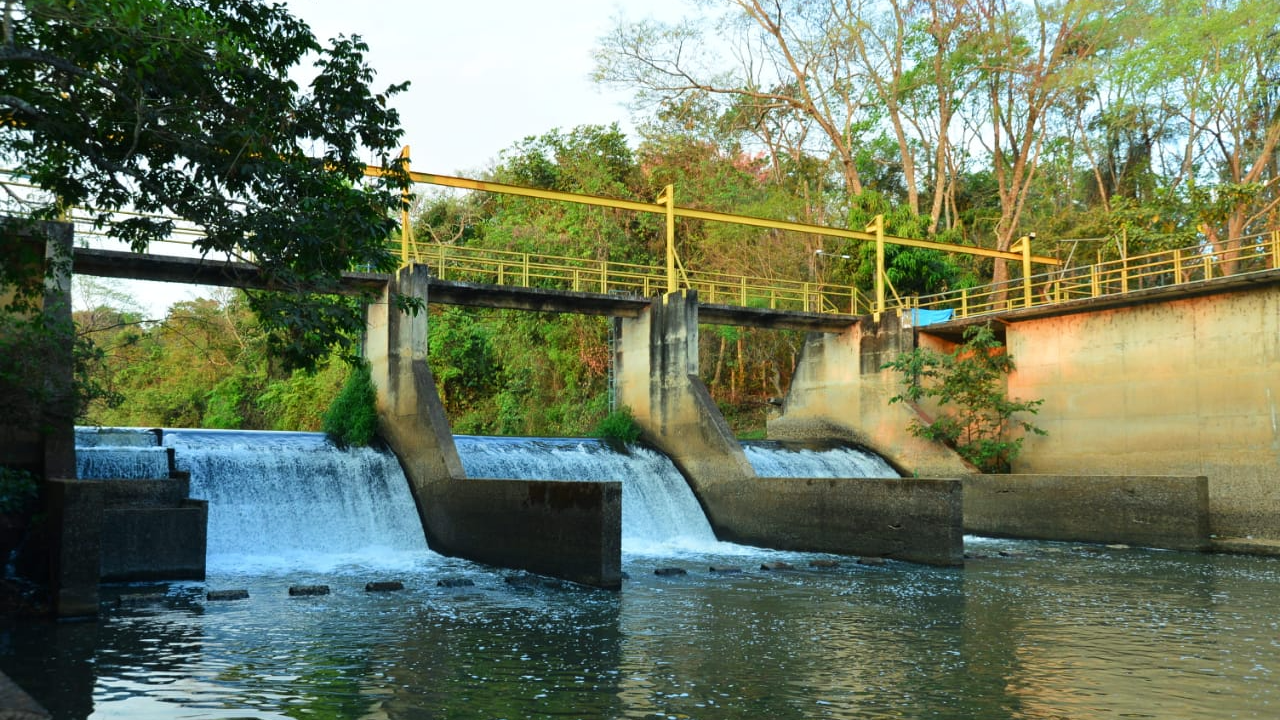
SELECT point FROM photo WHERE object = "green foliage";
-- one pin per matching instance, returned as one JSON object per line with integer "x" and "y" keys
{"x": 352, "y": 419}
{"x": 619, "y": 425}
{"x": 975, "y": 415}
{"x": 190, "y": 108}
{"x": 17, "y": 490}
{"x": 206, "y": 364}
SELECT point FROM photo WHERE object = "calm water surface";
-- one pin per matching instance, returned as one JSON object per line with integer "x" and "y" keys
{"x": 1057, "y": 631}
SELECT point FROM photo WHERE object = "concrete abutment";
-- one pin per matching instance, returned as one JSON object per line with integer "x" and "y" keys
{"x": 565, "y": 529}
{"x": 656, "y": 368}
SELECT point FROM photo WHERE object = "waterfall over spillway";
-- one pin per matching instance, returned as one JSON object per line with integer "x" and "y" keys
{"x": 783, "y": 459}
{"x": 659, "y": 511}
{"x": 293, "y": 498}
{"x": 120, "y": 454}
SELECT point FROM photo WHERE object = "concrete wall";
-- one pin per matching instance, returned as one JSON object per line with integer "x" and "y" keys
{"x": 839, "y": 391}
{"x": 918, "y": 520}
{"x": 1189, "y": 387}
{"x": 656, "y": 369}
{"x": 151, "y": 530}
{"x": 1164, "y": 512}
{"x": 569, "y": 530}
{"x": 656, "y": 375}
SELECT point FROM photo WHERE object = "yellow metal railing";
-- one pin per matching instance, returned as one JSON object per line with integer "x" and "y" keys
{"x": 665, "y": 205}
{"x": 533, "y": 270}
{"x": 1165, "y": 268}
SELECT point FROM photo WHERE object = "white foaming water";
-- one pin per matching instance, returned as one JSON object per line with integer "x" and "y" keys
{"x": 283, "y": 500}
{"x": 87, "y": 437}
{"x": 660, "y": 514}
{"x": 122, "y": 463}
{"x": 777, "y": 459}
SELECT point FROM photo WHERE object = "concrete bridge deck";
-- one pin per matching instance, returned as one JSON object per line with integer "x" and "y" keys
{"x": 198, "y": 271}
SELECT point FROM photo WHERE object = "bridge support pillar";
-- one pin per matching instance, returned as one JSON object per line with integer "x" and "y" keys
{"x": 656, "y": 367}
{"x": 568, "y": 530}
{"x": 839, "y": 392}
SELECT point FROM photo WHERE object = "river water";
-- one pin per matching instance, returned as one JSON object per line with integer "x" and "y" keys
{"x": 1024, "y": 630}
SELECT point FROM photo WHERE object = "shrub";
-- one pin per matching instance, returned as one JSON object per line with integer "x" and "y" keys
{"x": 975, "y": 416}
{"x": 352, "y": 418}
{"x": 619, "y": 425}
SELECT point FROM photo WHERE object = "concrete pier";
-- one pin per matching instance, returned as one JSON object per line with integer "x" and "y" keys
{"x": 565, "y": 529}
{"x": 1148, "y": 511}
{"x": 657, "y": 374}
{"x": 839, "y": 391}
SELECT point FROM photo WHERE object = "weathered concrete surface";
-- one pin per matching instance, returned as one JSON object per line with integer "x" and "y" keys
{"x": 1189, "y": 387}
{"x": 918, "y": 520}
{"x": 151, "y": 530}
{"x": 75, "y": 540}
{"x": 657, "y": 373}
{"x": 50, "y": 450}
{"x": 1163, "y": 512}
{"x": 15, "y": 704}
{"x": 569, "y": 530}
{"x": 839, "y": 392}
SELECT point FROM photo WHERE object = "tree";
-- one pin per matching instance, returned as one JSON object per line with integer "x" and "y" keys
{"x": 188, "y": 108}
{"x": 975, "y": 416}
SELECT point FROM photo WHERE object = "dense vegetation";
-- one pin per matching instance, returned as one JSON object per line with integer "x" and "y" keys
{"x": 963, "y": 394}
{"x": 1124, "y": 127}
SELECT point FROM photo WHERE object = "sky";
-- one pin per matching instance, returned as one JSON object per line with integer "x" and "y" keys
{"x": 483, "y": 74}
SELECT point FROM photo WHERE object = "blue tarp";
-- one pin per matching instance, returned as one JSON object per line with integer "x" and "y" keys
{"x": 920, "y": 318}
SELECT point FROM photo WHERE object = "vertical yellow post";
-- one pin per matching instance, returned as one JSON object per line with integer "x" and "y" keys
{"x": 1023, "y": 244}
{"x": 1275, "y": 249}
{"x": 406, "y": 227}
{"x": 668, "y": 197}
{"x": 877, "y": 227}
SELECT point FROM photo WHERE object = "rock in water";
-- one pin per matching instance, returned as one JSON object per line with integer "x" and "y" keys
{"x": 670, "y": 571}
{"x": 455, "y": 582}
{"x": 383, "y": 586}
{"x": 308, "y": 590}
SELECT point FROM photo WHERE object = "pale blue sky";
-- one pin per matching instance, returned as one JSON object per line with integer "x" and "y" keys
{"x": 485, "y": 73}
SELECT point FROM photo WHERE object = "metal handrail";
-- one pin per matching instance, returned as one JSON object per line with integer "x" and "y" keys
{"x": 1165, "y": 268}
{"x": 534, "y": 270}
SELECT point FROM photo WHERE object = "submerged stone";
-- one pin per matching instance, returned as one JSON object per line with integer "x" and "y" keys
{"x": 383, "y": 586}
{"x": 824, "y": 563}
{"x": 725, "y": 569}
{"x": 239, "y": 594}
{"x": 871, "y": 561}
{"x": 531, "y": 580}
{"x": 670, "y": 571}
{"x": 455, "y": 582}
{"x": 779, "y": 565}
{"x": 308, "y": 590}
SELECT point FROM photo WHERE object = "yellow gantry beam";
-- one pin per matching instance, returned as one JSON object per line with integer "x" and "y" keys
{"x": 664, "y": 208}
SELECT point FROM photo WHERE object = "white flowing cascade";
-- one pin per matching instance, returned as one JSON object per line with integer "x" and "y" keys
{"x": 776, "y": 459}
{"x": 658, "y": 508}
{"x": 294, "y": 496}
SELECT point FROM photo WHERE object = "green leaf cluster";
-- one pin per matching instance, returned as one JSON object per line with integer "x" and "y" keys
{"x": 620, "y": 426}
{"x": 189, "y": 108}
{"x": 974, "y": 414}
{"x": 352, "y": 419}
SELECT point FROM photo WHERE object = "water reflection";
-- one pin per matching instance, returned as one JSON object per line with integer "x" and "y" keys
{"x": 1055, "y": 631}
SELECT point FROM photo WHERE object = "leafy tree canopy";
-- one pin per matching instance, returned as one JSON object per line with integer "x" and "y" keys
{"x": 188, "y": 108}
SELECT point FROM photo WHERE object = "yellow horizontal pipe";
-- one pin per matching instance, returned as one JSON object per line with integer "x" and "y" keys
{"x": 506, "y": 189}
